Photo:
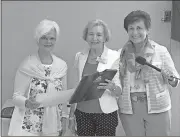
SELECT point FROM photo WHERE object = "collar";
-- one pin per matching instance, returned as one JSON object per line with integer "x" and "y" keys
{"x": 150, "y": 47}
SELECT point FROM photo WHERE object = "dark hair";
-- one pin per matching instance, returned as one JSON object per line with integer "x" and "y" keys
{"x": 136, "y": 16}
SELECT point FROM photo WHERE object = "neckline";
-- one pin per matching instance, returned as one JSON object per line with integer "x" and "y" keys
{"x": 47, "y": 65}
{"x": 37, "y": 55}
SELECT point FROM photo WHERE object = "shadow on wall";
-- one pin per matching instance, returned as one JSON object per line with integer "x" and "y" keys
{"x": 175, "y": 53}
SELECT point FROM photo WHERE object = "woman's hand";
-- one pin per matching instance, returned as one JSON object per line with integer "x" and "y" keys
{"x": 169, "y": 75}
{"x": 110, "y": 85}
{"x": 72, "y": 126}
{"x": 63, "y": 131}
{"x": 31, "y": 104}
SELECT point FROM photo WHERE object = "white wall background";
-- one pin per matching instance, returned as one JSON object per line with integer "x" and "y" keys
{"x": 19, "y": 20}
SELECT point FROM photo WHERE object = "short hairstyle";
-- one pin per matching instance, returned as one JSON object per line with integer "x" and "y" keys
{"x": 44, "y": 27}
{"x": 97, "y": 22}
{"x": 136, "y": 16}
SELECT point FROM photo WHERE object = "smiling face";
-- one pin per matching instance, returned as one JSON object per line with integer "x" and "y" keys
{"x": 137, "y": 32}
{"x": 95, "y": 37}
{"x": 46, "y": 42}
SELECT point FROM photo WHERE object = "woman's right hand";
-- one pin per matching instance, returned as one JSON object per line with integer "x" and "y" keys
{"x": 72, "y": 125}
{"x": 31, "y": 104}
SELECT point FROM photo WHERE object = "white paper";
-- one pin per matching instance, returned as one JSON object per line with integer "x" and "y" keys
{"x": 54, "y": 98}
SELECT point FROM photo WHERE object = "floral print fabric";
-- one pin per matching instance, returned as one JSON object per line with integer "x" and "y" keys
{"x": 33, "y": 119}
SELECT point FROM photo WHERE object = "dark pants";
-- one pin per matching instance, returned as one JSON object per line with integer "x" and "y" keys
{"x": 96, "y": 124}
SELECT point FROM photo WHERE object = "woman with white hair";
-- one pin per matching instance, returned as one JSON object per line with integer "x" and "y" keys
{"x": 39, "y": 73}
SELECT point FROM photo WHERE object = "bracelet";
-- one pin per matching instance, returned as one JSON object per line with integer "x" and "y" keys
{"x": 71, "y": 118}
{"x": 64, "y": 117}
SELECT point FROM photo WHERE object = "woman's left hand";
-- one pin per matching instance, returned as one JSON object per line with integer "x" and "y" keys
{"x": 167, "y": 74}
{"x": 110, "y": 85}
{"x": 170, "y": 76}
{"x": 63, "y": 131}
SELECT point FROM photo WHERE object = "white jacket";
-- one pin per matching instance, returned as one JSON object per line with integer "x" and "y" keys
{"x": 108, "y": 103}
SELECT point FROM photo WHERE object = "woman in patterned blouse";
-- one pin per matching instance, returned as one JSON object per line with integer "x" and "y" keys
{"x": 40, "y": 73}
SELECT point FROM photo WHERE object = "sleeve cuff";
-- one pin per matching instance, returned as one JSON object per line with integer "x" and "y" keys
{"x": 19, "y": 101}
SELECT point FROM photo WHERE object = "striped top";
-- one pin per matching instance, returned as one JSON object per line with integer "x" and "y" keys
{"x": 157, "y": 88}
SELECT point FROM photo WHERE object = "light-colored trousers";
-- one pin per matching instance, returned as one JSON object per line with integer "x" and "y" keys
{"x": 140, "y": 123}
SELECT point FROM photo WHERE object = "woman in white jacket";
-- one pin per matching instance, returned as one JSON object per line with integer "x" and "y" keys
{"x": 96, "y": 117}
